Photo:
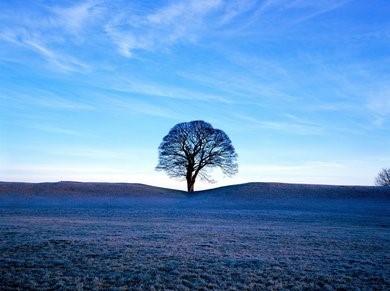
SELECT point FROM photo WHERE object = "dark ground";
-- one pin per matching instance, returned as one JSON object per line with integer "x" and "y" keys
{"x": 253, "y": 236}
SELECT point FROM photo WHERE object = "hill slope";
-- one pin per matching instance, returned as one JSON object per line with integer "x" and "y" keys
{"x": 285, "y": 190}
{"x": 246, "y": 191}
{"x": 69, "y": 188}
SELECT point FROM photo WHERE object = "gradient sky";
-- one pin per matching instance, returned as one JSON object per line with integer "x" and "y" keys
{"x": 88, "y": 89}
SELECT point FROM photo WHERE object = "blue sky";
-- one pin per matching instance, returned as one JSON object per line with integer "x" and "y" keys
{"x": 88, "y": 89}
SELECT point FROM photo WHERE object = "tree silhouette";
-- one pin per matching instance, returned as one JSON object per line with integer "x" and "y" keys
{"x": 383, "y": 178}
{"x": 192, "y": 148}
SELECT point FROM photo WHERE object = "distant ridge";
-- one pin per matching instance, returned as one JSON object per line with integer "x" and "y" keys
{"x": 245, "y": 191}
{"x": 85, "y": 189}
{"x": 285, "y": 190}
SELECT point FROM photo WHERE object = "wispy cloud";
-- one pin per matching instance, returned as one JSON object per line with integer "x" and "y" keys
{"x": 277, "y": 15}
{"x": 289, "y": 127}
{"x": 74, "y": 18}
{"x": 49, "y": 34}
{"x": 96, "y": 153}
{"x": 191, "y": 21}
{"x": 378, "y": 104}
{"x": 242, "y": 88}
{"x": 167, "y": 90}
{"x": 132, "y": 105}
{"x": 180, "y": 21}
{"x": 60, "y": 61}
{"x": 55, "y": 129}
{"x": 25, "y": 99}
{"x": 133, "y": 29}
{"x": 314, "y": 9}
{"x": 234, "y": 10}
{"x": 288, "y": 124}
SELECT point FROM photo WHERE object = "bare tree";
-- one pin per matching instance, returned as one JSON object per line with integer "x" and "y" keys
{"x": 383, "y": 178}
{"x": 191, "y": 148}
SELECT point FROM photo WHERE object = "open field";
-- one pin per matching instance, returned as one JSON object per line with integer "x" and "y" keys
{"x": 253, "y": 236}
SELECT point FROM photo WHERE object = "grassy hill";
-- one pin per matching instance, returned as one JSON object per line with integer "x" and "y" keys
{"x": 70, "y": 188}
{"x": 255, "y": 236}
{"x": 285, "y": 191}
{"x": 242, "y": 191}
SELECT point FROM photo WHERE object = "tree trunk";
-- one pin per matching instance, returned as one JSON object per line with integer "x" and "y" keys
{"x": 190, "y": 187}
{"x": 190, "y": 182}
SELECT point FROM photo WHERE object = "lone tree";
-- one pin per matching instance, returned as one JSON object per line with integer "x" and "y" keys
{"x": 192, "y": 148}
{"x": 383, "y": 178}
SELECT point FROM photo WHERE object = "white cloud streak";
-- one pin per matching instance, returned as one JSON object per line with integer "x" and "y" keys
{"x": 47, "y": 33}
{"x": 55, "y": 130}
{"x": 63, "y": 62}
{"x": 133, "y": 30}
{"x": 289, "y": 124}
{"x": 315, "y": 8}
{"x": 171, "y": 92}
{"x": 74, "y": 18}
{"x": 60, "y": 61}
{"x": 378, "y": 104}
{"x": 131, "y": 105}
{"x": 21, "y": 99}
{"x": 180, "y": 21}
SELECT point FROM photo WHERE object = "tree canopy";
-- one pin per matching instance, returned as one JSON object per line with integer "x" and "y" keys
{"x": 383, "y": 178}
{"x": 190, "y": 149}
